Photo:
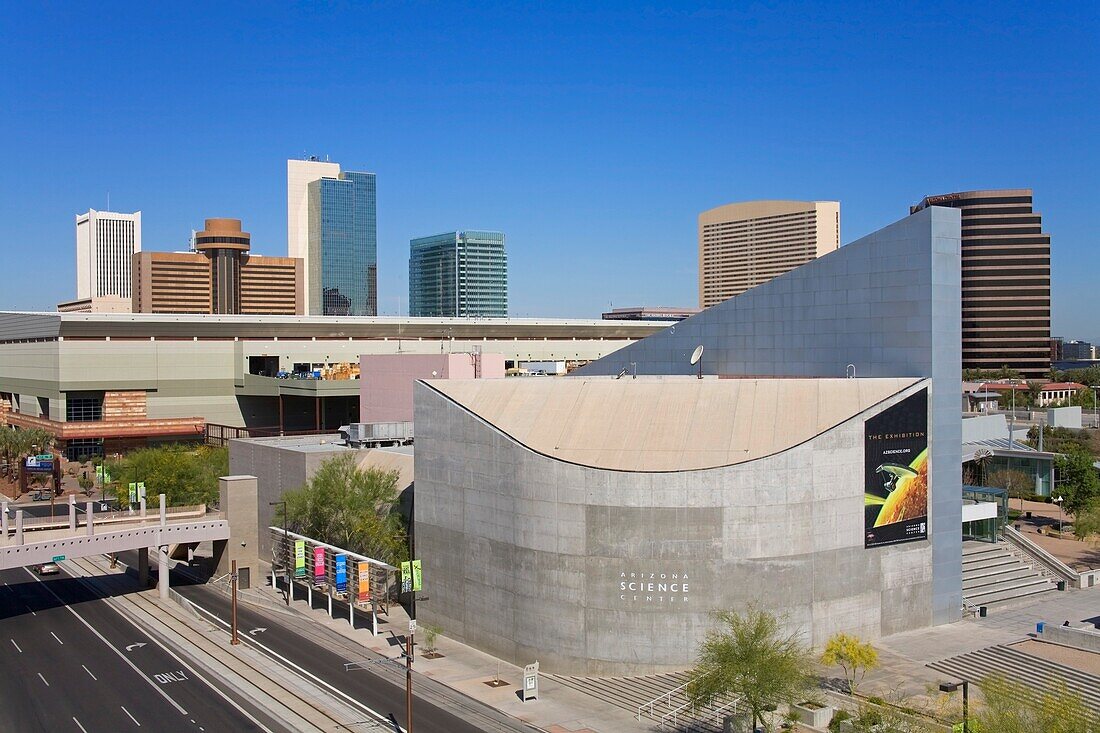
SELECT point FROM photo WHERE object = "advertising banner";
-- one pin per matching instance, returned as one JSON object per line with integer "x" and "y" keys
{"x": 102, "y": 474}
{"x": 341, "y": 562}
{"x": 318, "y": 565}
{"x": 416, "y": 575}
{"x": 364, "y": 582}
{"x": 406, "y": 577}
{"x": 299, "y": 558}
{"x": 39, "y": 464}
{"x": 895, "y": 448}
{"x": 133, "y": 492}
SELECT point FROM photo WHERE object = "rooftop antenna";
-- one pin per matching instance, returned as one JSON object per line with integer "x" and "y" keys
{"x": 696, "y": 357}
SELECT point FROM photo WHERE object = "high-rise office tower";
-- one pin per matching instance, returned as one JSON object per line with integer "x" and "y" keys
{"x": 332, "y": 227}
{"x": 105, "y": 245}
{"x": 1005, "y": 280}
{"x": 459, "y": 274}
{"x": 747, "y": 244}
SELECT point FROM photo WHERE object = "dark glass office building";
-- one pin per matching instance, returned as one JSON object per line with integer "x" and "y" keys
{"x": 458, "y": 274}
{"x": 343, "y": 246}
{"x": 1005, "y": 280}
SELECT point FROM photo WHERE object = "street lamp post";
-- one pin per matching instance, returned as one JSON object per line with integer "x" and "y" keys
{"x": 1058, "y": 500}
{"x": 951, "y": 687}
{"x": 286, "y": 551}
{"x": 1095, "y": 414}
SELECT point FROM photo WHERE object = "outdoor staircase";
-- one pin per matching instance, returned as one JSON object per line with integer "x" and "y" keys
{"x": 657, "y": 698}
{"x": 1034, "y": 672}
{"x": 993, "y": 574}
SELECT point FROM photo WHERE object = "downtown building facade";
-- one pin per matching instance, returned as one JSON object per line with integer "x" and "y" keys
{"x": 219, "y": 277}
{"x": 747, "y": 244}
{"x": 595, "y": 521}
{"x": 1005, "y": 280}
{"x": 105, "y": 244}
{"x": 459, "y": 275}
{"x": 332, "y": 227}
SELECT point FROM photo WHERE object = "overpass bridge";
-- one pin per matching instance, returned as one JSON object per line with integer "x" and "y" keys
{"x": 30, "y": 541}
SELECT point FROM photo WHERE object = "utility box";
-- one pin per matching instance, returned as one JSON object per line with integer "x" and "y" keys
{"x": 531, "y": 682}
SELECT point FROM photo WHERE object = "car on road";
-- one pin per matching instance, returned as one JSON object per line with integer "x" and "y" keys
{"x": 47, "y": 568}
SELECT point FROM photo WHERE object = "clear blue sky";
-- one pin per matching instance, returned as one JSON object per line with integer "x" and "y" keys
{"x": 592, "y": 134}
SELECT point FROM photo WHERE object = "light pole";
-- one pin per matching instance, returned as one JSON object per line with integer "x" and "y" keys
{"x": 1058, "y": 500}
{"x": 951, "y": 687}
{"x": 233, "y": 608}
{"x": 285, "y": 554}
{"x": 1095, "y": 414}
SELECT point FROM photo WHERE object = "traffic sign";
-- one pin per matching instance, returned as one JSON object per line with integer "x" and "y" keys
{"x": 58, "y": 558}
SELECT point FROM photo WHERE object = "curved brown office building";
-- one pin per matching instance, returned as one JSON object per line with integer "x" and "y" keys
{"x": 1005, "y": 280}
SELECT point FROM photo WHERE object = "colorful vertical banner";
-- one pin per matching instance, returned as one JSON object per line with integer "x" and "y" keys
{"x": 416, "y": 575}
{"x": 299, "y": 558}
{"x": 341, "y": 562}
{"x": 406, "y": 577}
{"x": 895, "y": 448}
{"x": 364, "y": 582}
{"x": 318, "y": 565}
{"x": 133, "y": 493}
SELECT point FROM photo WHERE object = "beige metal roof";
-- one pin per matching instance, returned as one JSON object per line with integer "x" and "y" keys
{"x": 665, "y": 423}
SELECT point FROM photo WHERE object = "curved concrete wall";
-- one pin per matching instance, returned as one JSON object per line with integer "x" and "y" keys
{"x": 527, "y": 557}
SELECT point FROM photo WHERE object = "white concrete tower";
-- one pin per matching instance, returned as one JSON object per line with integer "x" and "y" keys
{"x": 105, "y": 245}
{"x": 299, "y": 174}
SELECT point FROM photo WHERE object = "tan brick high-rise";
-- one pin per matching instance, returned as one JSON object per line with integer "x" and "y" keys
{"x": 747, "y": 244}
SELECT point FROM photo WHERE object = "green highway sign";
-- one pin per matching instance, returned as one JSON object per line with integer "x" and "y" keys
{"x": 58, "y": 558}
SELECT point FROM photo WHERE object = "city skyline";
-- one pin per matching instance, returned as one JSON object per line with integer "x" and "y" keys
{"x": 628, "y": 199}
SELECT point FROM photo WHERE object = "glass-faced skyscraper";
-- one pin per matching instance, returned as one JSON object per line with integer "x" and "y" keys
{"x": 459, "y": 274}
{"x": 342, "y": 256}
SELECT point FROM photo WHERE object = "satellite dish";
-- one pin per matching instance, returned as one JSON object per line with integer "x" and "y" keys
{"x": 697, "y": 355}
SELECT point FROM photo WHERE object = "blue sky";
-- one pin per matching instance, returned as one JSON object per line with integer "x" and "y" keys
{"x": 592, "y": 134}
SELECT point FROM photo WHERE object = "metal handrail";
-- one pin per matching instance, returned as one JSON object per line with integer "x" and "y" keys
{"x": 1041, "y": 556}
{"x": 660, "y": 698}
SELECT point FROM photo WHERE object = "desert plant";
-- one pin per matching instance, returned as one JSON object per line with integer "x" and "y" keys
{"x": 854, "y": 657}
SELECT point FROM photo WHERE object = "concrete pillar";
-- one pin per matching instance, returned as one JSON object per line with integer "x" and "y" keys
{"x": 141, "y": 503}
{"x": 330, "y": 604}
{"x": 309, "y": 590}
{"x": 162, "y": 569}
{"x": 143, "y": 566}
{"x": 90, "y": 513}
{"x": 18, "y": 526}
{"x": 72, "y": 512}
{"x": 163, "y": 511}
{"x": 239, "y": 505}
{"x": 4, "y": 520}
{"x": 351, "y": 612}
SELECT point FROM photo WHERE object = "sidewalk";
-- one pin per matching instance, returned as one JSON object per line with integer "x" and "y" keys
{"x": 558, "y": 709}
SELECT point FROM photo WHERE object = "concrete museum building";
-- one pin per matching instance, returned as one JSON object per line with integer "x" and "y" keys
{"x": 809, "y": 462}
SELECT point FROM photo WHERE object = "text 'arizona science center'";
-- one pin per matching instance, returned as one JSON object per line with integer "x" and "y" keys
{"x": 594, "y": 521}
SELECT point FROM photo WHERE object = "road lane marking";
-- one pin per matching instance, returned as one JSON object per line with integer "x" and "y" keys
{"x": 43, "y": 679}
{"x": 58, "y": 640}
{"x": 78, "y": 725}
{"x": 17, "y": 646}
{"x": 84, "y": 581}
{"x": 30, "y": 609}
{"x": 90, "y": 673}
{"x": 302, "y": 672}
{"x": 110, "y": 646}
{"x": 131, "y": 716}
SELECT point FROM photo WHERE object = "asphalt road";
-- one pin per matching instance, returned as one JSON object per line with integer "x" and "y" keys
{"x": 380, "y": 695}
{"x": 70, "y": 662}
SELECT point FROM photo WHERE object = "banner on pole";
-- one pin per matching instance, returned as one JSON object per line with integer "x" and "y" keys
{"x": 406, "y": 577}
{"x": 341, "y": 562}
{"x": 318, "y": 565}
{"x": 364, "y": 582}
{"x": 417, "y": 576}
{"x": 299, "y": 558}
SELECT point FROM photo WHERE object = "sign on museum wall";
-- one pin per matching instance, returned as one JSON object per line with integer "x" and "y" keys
{"x": 895, "y": 448}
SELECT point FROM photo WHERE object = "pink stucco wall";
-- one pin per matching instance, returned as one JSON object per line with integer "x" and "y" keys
{"x": 386, "y": 380}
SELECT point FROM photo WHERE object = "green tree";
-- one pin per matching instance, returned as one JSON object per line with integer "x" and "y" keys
{"x": 1010, "y": 707}
{"x": 185, "y": 474}
{"x": 854, "y": 657}
{"x": 1019, "y": 484}
{"x": 750, "y": 656}
{"x": 1086, "y": 523}
{"x": 352, "y": 508}
{"x": 1077, "y": 480}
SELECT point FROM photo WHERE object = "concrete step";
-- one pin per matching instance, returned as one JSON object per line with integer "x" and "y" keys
{"x": 974, "y": 582}
{"x": 1013, "y": 591}
{"x": 992, "y": 562}
{"x": 974, "y": 549}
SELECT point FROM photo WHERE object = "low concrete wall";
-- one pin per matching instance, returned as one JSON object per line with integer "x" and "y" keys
{"x": 1087, "y": 639}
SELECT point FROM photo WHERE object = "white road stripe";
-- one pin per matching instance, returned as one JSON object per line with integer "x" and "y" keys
{"x": 43, "y": 679}
{"x": 90, "y": 673}
{"x": 17, "y": 646}
{"x": 121, "y": 656}
{"x": 58, "y": 640}
{"x": 131, "y": 716}
{"x": 78, "y": 725}
{"x": 303, "y": 672}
